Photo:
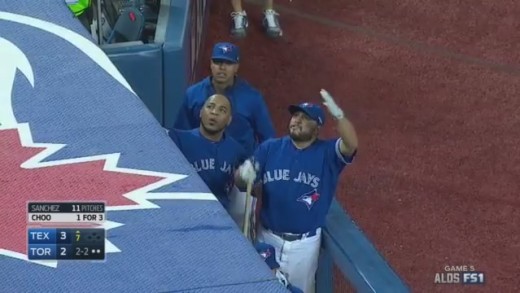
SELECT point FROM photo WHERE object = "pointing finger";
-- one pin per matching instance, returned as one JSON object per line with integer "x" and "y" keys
{"x": 325, "y": 95}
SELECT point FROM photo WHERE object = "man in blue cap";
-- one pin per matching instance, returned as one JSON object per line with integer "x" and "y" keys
{"x": 268, "y": 253}
{"x": 251, "y": 122}
{"x": 298, "y": 174}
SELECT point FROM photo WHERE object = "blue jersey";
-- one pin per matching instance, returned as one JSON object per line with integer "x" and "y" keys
{"x": 251, "y": 123}
{"x": 298, "y": 185}
{"x": 215, "y": 162}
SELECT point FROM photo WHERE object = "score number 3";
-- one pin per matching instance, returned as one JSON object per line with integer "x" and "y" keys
{"x": 63, "y": 250}
{"x": 63, "y": 235}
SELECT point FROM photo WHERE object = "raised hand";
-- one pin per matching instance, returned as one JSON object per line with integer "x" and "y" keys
{"x": 331, "y": 105}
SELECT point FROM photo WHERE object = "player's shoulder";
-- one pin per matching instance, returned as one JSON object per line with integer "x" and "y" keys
{"x": 274, "y": 142}
{"x": 244, "y": 86}
{"x": 196, "y": 90}
{"x": 182, "y": 134}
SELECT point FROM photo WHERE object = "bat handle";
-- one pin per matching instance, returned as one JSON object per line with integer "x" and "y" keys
{"x": 247, "y": 211}
{"x": 249, "y": 189}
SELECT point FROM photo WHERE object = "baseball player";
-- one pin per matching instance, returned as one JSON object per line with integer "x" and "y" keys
{"x": 212, "y": 153}
{"x": 268, "y": 253}
{"x": 251, "y": 122}
{"x": 298, "y": 174}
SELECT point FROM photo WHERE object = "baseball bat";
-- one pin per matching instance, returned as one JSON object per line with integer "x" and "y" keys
{"x": 247, "y": 211}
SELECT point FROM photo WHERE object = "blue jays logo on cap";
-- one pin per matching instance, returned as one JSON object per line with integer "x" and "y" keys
{"x": 265, "y": 254}
{"x": 226, "y": 51}
{"x": 314, "y": 111}
{"x": 268, "y": 253}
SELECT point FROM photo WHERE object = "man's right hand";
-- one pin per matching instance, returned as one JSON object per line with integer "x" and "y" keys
{"x": 247, "y": 172}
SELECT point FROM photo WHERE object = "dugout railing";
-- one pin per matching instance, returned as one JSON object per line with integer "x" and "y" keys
{"x": 345, "y": 246}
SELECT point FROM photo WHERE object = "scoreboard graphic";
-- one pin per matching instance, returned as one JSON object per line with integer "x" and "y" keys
{"x": 63, "y": 231}
{"x": 66, "y": 212}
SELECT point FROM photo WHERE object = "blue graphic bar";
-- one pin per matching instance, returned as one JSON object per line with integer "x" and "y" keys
{"x": 65, "y": 244}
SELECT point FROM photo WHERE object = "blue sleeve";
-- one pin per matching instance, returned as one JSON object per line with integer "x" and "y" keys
{"x": 185, "y": 119}
{"x": 264, "y": 128}
{"x": 337, "y": 159}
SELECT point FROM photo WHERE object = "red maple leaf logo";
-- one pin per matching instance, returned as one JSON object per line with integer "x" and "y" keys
{"x": 83, "y": 181}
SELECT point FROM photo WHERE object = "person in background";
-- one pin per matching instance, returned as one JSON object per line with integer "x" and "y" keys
{"x": 268, "y": 253}
{"x": 251, "y": 124}
{"x": 82, "y": 10}
{"x": 240, "y": 22}
{"x": 213, "y": 154}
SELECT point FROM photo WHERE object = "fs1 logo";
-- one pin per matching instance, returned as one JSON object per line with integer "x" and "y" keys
{"x": 474, "y": 278}
{"x": 463, "y": 274}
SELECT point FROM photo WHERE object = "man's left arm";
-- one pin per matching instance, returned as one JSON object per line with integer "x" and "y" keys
{"x": 349, "y": 140}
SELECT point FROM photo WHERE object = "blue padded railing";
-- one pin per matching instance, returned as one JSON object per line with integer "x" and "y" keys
{"x": 345, "y": 245}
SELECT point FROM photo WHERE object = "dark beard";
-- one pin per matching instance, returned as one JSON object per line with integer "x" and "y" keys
{"x": 301, "y": 138}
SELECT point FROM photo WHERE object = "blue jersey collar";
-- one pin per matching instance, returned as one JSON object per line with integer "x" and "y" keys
{"x": 196, "y": 132}
{"x": 209, "y": 85}
{"x": 289, "y": 141}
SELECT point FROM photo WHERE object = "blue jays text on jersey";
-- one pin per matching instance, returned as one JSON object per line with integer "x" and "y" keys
{"x": 215, "y": 162}
{"x": 251, "y": 123}
{"x": 298, "y": 184}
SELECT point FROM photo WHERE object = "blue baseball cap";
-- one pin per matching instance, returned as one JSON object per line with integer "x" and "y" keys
{"x": 226, "y": 51}
{"x": 268, "y": 253}
{"x": 314, "y": 111}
